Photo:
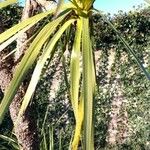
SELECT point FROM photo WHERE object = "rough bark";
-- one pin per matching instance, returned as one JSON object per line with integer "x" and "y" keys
{"x": 25, "y": 129}
{"x": 56, "y": 74}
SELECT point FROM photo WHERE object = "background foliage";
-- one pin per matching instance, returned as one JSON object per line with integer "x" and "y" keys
{"x": 56, "y": 113}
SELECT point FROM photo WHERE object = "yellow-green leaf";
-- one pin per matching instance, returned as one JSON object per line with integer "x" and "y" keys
{"x": 87, "y": 4}
{"x": 75, "y": 69}
{"x": 88, "y": 85}
{"x": 6, "y": 3}
{"x": 14, "y": 37}
{"x": 75, "y": 84}
{"x": 79, "y": 123}
{"x": 33, "y": 20}
{"x": 27, "y": 61}
{"x": 40, "y": 64}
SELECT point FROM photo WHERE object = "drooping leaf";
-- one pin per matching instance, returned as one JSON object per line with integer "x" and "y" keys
{"x": 75, "y": 83}
{"x": 13, "y": 38}
{"x": 88, "y": 85}
{"x": 79, "y": 122}
{"x": 75, "y": 69}
{"x": 40, "y": 64}
{"x": 27, "y": 61}
{"x": 33, "y": 20}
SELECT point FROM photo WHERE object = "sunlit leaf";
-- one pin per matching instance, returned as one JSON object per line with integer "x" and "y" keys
{"x": 75, "y": 83}
{"x": 87, "y": 4}
{"x": 40, "y": 64}
{"x": 6, "y": 3}
{"x": 75, "y": 69}
{"x": 33, "y": 20}
{"x": 13, "y": 38}
{"x": 88, "y": 85}
{"x": 27, "y": 62}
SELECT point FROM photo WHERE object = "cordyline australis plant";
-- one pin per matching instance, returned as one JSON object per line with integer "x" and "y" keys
{"x": 73, "y": 14}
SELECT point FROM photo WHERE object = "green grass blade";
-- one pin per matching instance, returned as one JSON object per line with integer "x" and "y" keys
{"x": 27, "y": 61}
{"x": 6, "y": 3}
{"x": 65, "y": 74}
{"x": 131, "y": 51}
{"x": 10, "y": 141}
{"x": 51, "y": 138}
{"x": 60, "y": 140}
{"x": 40, "y": 64}
{"x": 45, "y": 118}
{"x": 44, "y": 141}
{"x": 88, "y": 86}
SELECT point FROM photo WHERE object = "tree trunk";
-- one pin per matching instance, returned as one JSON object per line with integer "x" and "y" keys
{"x": 26, "y": 128}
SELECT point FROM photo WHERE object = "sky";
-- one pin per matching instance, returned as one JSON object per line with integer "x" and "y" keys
{"x": 113, "y": 6}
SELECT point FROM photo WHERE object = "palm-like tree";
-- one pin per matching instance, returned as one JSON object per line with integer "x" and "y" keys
{"x": 74, "y": 14}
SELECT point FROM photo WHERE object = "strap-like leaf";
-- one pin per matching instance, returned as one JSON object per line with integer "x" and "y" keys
{"x": 87, "y": 4}
{"x": 13, "y": 38}
{"x": 40, "y": 64}
{"x": 75, "y": 84}
{"x": 6, "y": 3}
{"x": 33, "y": 20}
{"x": 77, "y": 3}
{"x": 88, "y": 85}
{"x": 75, "y": 69}
{"x": 27, "y": 61}
{"x": 79, "y": 123}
